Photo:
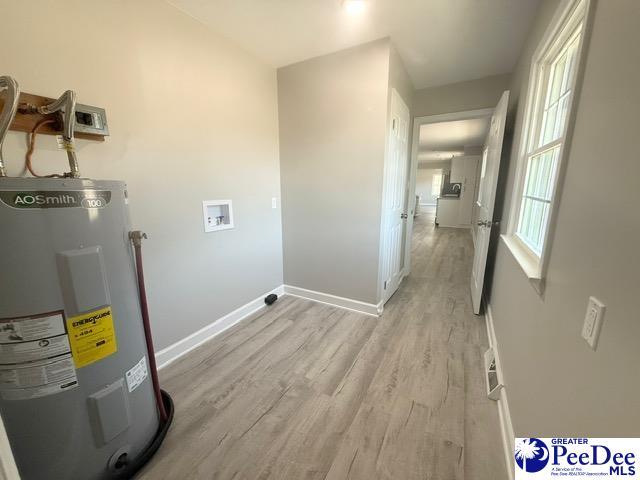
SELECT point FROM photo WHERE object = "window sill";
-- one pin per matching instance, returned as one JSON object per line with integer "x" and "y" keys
{"x": 531, "y": 265}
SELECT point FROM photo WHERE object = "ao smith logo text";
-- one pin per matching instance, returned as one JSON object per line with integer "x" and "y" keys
{"x": 57, "y": 199}
{"x": 576, "y": 457}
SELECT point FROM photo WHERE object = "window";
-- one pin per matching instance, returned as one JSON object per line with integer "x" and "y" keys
{"x": 551, "y": 90}
{"x": 436, "y": 184}
{"x": 546, "y": 140}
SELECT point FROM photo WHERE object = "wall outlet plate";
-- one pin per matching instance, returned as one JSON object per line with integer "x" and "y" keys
{"x": 593, "y": 322}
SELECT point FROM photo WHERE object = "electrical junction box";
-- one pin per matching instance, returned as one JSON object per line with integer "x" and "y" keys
{"x": 91, "y": 120}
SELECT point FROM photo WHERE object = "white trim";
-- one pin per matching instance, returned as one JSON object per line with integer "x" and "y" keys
{"x": 171, "y": 353}
{"x": 413, "y": 169}
{"x": 527, "y": 260}
{"x": 341, "y": 302}
{"x": 453, "y": 226}
{"x": 450, "y": 117}
{"x": 8, "y": 467}
{"x": 504, "y": 415}
{"x": 563, "y": 16}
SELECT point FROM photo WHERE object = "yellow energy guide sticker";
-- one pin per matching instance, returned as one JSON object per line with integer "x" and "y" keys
{"x": 91, "y": 336}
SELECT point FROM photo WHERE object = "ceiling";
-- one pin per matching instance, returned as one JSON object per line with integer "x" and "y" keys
{"x": 440, "y": 41}
{"x": 441, "y": 141}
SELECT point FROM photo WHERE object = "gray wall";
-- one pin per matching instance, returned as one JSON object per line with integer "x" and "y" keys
{"x": 400, "y": 80}
{"x": 556, "y": 384}
{"x": 333, "y": 112}
{"x": 192, "y": 118}
{"x": 458, "y": 97}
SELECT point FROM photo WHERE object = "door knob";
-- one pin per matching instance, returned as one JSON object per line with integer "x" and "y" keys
{"x": 488, "y": 223}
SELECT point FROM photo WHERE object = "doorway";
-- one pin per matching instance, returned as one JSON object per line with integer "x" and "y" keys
{"x": 446, "y": 167}
{"x": 458, "y": 155}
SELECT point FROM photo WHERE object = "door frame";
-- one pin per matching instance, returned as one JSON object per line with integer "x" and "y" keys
{"x": 413, "y": 168}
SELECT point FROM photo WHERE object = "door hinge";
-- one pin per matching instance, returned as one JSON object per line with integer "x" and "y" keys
{"x": 385, "y": 284}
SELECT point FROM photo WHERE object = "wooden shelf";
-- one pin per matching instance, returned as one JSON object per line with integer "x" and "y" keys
{"x": 25, "y": 122}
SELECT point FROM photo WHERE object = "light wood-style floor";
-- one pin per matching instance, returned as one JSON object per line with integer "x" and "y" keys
{"x": 308, "y": 391}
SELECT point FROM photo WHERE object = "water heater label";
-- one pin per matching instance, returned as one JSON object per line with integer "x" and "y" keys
{"x": 136, "y": 375}
{"x": 92, "y": 336}
{"x": 35, "y": 357}
{"x": 38, "y": 379}
{"x": 56, "y": 198}
{"x": 18, "y": 352}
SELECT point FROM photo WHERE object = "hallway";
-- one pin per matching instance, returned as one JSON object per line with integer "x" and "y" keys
{"x": 306, "y": 390}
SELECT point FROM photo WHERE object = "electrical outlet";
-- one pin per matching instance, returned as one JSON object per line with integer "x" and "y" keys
{"x": 593, "y": 322}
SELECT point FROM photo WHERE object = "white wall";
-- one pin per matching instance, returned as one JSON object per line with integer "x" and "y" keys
{"x": 424, "y": 182}
{"x": 192, "y": 117}
{"x": 557, "y": 385}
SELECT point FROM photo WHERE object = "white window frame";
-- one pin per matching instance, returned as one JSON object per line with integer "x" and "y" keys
{"x": 570, "y": 14}
{"x": 440, "y": 176}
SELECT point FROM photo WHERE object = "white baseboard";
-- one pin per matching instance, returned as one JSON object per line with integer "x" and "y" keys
{"x": 347, "y": 303}
{"x": 453, "y": 226}
{"x": 428, "y": 204}
{"x": 506, "y": 426}
{"x": 170, "y": 354}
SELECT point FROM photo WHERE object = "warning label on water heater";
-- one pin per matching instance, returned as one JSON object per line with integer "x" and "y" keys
{"x": 37, "y": 379}
{"x": 35, "y": 357}
{"x": 92, "y": 336}
{"x": 136, "y": 374}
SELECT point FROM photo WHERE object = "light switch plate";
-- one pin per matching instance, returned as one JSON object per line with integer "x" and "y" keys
{"x": 274, "y": 202}
{"x": 593, "y": 322}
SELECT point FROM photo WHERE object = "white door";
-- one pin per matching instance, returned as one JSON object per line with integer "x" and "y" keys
{"x": 486, "y": 198}
{"x": 393, "y": 196}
